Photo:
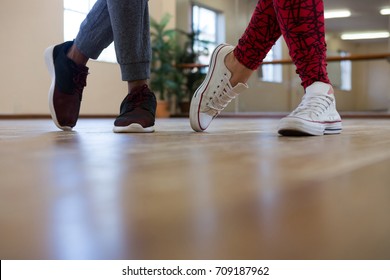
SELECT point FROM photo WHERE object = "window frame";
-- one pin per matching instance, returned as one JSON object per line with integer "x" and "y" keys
{"x": 219, "y": 35}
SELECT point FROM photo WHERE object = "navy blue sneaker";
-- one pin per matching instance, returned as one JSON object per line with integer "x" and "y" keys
{"x": 67, "y": 84}
{"x": 137, "y": 111}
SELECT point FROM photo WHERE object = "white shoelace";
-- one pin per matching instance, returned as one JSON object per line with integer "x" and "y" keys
{"x": 222, "y": 96}
{"x": 317, "y": 105}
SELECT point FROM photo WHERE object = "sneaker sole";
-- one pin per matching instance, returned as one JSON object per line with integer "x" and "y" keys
{"x": 198, "y": 95}
{"x": 133, "y": 128}
{"x": 50, "y": 67}
{"x": 297, "y": 127}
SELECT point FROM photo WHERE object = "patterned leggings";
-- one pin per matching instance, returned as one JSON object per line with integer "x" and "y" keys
{"x": 302, "y": 24}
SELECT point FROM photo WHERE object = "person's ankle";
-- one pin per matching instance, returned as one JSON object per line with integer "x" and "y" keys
{"x": 134, "y": 84}
{"x": 240, "y": 73}
{"x": 76, "y": 56}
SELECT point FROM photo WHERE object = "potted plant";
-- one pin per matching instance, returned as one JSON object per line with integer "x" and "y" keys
{"x": 175, "y": 71}
{"x": 166, "y": 80}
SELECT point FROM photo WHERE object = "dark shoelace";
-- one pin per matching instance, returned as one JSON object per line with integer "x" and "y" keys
{"x": 80, "y": 80}
{"x": 139, "y": 98}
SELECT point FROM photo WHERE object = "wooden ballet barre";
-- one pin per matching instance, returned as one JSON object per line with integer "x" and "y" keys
{"x": 355, "y": 57}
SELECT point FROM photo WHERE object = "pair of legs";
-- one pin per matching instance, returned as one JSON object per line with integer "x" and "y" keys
{"x": 301, "y": 22}
{"x": 126, "y": 23}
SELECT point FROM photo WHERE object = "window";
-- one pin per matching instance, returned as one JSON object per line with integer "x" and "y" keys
{"x": 346, "y": 72}
{"x": 74, "y": 13}
{"x": 208, "y": 26}
{"x": 272, "y": 72}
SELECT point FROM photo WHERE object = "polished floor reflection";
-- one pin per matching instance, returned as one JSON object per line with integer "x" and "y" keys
{"x": 238, "y": 191}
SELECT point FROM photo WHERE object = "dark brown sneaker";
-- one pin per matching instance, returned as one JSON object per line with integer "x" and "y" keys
{"x": 67, "y": 84}
{"x": 137, "y": 111}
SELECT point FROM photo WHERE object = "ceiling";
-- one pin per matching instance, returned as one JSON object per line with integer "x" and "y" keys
{"x": 365, "y": 16}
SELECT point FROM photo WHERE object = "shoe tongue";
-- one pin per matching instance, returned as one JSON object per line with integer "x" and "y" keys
{"x": 318, "y": 88}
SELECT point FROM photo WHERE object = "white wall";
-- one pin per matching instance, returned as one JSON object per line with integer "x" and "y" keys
{"x": 26, "y": 29}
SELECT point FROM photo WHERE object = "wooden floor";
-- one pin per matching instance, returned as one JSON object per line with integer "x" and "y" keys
{"x": 239, "y": 191}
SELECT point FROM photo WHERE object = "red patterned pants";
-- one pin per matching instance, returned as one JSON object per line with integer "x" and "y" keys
{"x": 301, "y": 22}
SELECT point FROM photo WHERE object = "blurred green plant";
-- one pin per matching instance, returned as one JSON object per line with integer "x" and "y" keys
{"x": 166, "y": 79}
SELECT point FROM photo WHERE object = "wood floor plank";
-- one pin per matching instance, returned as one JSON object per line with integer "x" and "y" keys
{"x": 237, "y": 191}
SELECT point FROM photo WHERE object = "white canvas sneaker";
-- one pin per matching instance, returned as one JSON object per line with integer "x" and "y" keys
{"x": 215, "y": 93}
{"x": 316, "y": 115}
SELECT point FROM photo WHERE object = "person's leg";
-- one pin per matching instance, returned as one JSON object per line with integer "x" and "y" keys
{"x": 303, "y": 28}
{"x": 126, "y": 22}
{"x": 95, "y": 33}
{"x": 260, "y": 35}
{"x": 230, "y": 67}
{"x": 130, "y": 25}
{"x": 131, "y": 34}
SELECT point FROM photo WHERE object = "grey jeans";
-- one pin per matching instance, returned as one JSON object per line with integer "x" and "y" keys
{"x": 126, "y": 23}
